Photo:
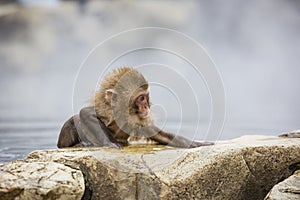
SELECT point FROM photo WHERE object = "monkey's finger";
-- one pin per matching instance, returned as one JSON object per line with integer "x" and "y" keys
{"x": 199, "y": 144}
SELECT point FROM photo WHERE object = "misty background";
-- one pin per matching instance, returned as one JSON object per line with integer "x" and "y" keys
{"x": 254, "y": 44}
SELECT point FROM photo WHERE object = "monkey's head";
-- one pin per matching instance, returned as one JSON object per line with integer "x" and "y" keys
{"x": 124, "y": 98}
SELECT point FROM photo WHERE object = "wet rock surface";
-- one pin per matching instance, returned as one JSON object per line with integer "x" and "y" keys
{"x": 243, "y": 168}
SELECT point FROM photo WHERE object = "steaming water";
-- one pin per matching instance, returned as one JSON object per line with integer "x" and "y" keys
{"x": 39, "y": 2}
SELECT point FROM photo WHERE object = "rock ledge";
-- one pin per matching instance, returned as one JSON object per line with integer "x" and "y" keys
{"x": 243, "y": 168}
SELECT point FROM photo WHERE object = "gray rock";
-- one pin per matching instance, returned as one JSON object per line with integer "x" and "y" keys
{"x": 291, "y": 134}
{"x": 40, "y": 180}
{"x": 287, "y": 189}
{"x": 243, "y": 168}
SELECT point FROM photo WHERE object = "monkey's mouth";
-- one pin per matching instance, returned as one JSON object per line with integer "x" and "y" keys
{"x": 144, "y": 115}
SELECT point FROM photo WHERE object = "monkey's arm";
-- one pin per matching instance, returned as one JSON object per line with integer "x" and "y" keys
{"x": 166, "y": 138}
{"x": 94, "y": 130}
{"x": 85, "y": 129}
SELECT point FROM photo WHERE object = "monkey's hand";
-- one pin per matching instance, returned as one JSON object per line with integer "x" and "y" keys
{"x": 200, "y": 144}
{"x": 171, "y": 139}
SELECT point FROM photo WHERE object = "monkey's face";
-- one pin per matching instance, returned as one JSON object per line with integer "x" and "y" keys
{"x": 128, "y": 100}
{"x": 141, "y": 106}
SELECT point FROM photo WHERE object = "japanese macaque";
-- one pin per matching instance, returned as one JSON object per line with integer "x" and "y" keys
{"x": 120, "y": 116}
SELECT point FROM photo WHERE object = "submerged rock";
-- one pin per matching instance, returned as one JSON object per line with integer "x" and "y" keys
{"x": 243, "y": 168}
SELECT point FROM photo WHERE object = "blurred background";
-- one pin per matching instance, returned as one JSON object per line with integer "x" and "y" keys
{"x": 255, "y": 45}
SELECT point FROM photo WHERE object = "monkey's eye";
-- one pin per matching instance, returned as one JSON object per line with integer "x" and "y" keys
{"x": 141, "y": 98}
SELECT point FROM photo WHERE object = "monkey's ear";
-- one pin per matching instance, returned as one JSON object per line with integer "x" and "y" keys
{"x": 110, "y": 95}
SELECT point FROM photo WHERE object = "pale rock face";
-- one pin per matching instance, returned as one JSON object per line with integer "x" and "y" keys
{"x": 243, "y": 168}
{"x": 287, "y": 189}
{"x": 38, "y": 180}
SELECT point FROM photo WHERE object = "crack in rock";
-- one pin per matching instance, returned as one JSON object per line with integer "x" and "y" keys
{"x": 151, "y": 171}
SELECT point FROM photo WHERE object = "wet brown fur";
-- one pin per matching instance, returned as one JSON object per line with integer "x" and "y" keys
{"x": 113, "y": 118}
